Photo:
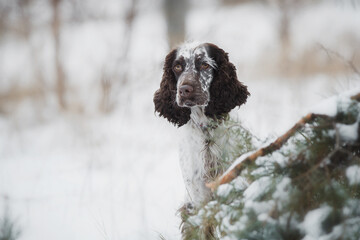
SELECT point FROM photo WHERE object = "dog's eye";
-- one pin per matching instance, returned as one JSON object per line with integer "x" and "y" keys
{"x": 204, "y": 66}
{"x": 178, "y": 68}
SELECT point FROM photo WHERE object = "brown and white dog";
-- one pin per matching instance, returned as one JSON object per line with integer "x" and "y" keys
{"x": 199, "y": 87}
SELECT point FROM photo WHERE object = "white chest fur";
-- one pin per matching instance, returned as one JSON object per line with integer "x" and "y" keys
{"x": 198, "y": 156}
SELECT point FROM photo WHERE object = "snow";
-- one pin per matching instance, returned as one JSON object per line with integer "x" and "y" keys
{"x": 116, "y": 176}
{"x": 353, "y": 174}
{"x": 326, "y": 107}
{"x": 331, "y": 105}
{"x": 85, "y": 179}
{"x": 257, "y": 188}
{"x": 348, "y": 132}
{"x": 238, "y": 161}
{"x": 238, "y": 183}
{"x": 282, "y": 189}
{"x": 280, "y": 159}
{"x": 312, "y": 222}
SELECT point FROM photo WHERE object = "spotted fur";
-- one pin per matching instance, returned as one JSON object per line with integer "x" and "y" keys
{"x": 199, "y": 88}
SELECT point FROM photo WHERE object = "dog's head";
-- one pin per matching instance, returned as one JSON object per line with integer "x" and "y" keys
{"x": 198, "y": 75}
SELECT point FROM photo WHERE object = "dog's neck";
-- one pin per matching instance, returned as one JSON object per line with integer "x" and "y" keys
{"x": 198, "y": 117}
{"x": 208, "y": 131}
{"x": 199, "y": 120}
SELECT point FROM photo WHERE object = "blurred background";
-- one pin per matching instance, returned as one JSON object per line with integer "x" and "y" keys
{"x": 82, "y": 153}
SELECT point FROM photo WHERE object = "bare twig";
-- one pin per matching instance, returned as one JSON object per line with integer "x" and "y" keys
{"x": 350, "y": 63}
{"x": 59, "y": 71}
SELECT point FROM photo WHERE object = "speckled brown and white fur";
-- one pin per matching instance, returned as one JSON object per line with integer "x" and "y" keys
{"x": 199, "y": 87}
{"x": 201, "y": 155}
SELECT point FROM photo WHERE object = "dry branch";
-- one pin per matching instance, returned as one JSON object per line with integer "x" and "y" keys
{"x": 236, "y": 171}
{"x": 356, "y": 97}
{"x": 350, "y": 63}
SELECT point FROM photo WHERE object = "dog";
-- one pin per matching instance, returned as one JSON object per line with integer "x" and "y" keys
{"x": 199, "y": 87}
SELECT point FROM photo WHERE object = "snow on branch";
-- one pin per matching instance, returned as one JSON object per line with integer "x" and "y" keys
{"x": 236, "y": 170}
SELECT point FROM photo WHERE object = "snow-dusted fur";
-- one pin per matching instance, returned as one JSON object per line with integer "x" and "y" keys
{"x": 199, "y": 87}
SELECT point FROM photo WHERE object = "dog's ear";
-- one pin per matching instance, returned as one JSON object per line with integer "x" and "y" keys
{"x": 226, "y": 92}
{"x": 164, "y": 98}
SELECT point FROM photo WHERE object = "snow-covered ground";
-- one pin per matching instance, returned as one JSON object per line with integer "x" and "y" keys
{"x": 116, "y": 176}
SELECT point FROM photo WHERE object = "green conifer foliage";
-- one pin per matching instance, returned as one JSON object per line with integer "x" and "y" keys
{"x": 308, "y": 189}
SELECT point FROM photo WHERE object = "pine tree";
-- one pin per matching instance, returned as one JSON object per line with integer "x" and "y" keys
{"x": 305, "y": 185}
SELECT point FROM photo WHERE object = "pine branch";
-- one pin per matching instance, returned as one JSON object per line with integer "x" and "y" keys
{"x": 277, "y": 144}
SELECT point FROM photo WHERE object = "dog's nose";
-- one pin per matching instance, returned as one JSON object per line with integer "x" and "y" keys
{"x": 186, "y": 90}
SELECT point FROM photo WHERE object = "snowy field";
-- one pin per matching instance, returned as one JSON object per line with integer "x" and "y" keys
{"x": 116, "y": 176}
